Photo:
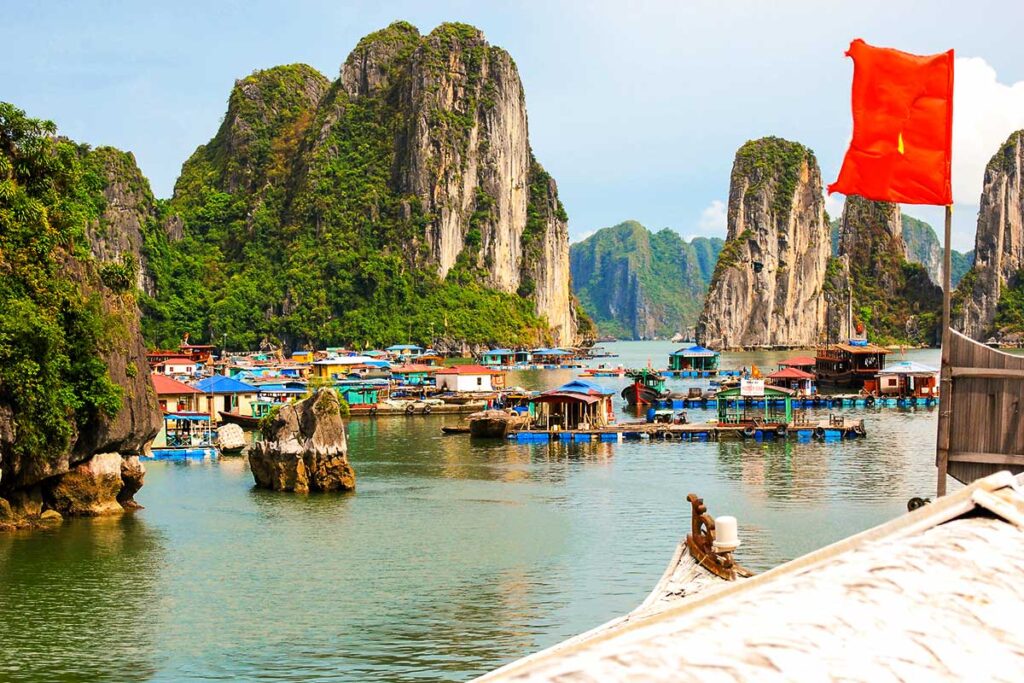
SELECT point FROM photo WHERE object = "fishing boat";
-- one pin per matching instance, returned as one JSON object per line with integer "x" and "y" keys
{"x": 243, "y": 421}
{"x": 496, "y": 424}
{"x": 648, "y": 386}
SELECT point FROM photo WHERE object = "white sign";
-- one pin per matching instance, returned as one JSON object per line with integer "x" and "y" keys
{"x": 751, "y": 387}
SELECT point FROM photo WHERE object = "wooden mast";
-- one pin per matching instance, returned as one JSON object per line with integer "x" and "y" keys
{"x": 945, "y": 383}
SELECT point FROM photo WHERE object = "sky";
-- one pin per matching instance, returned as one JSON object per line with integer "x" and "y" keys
{"x": 635, "y": 108}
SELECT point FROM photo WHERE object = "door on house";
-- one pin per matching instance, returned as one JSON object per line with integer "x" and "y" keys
{"x": 227, "y": 403}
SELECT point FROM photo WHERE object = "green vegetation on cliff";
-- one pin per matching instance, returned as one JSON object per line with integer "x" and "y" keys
{"x": 895, "y": 299}
{"x": 295, "y": 228}
{"x": 53, "y": 326}
{"x": 772, "y": 160}
{"x": 638, "y": 284}
{"x": 923, "y": 247}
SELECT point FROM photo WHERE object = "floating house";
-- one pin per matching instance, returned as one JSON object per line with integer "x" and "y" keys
{"x": 414, "y": 374}
{"x": 578, "y": 404}
{"x": 178, "y": 366}
{"x": 497, "y": 357}
{"x": 693, "y": 358}
{"x": 362, "y": 391}
{"x": 338, "y": 367}
{"x": 174, "y": 396}
{"x": 799, "y": 381}
{"x": 469, "y": 378}
{"x": 757, "y": 404}
{"x": 849, "y": 364}
{"x": 225, "y": 394}
{"x": 551, "y": 356}
{"x": 906, "y": 379}
{"x": 405, "y": 351}
{"x": 805, "y": 363}
{"x": 303, "y": 356}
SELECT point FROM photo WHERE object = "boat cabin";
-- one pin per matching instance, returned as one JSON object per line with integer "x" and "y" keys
{"x": 800, "y": 381}
{"x": 693, "y": 358}
{"x": 906, "y": 379}
{"x": 755, "y": 403}
{"x": 469, "y": 378}
{"x": 579, "y": 404}
{"x": 849, "y": 364}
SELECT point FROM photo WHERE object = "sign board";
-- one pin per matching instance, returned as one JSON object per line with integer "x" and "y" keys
{"x": 752, "y": 387}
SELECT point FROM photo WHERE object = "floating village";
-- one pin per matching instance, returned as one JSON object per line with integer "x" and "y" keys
{"x": 211, "y": 400}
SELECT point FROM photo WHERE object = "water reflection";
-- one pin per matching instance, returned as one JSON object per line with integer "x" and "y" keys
{"x": 78, "y": 602}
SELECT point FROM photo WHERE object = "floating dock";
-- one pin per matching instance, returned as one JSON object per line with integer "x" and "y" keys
{"x": 831, "y": 402}
{"x": 373, "y": 410}
{"x": 831, "y": 429}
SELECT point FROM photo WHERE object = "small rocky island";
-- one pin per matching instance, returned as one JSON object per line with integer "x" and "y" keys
{"x": 304, "y": 448}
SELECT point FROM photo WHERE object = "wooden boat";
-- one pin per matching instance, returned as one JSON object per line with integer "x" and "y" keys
{"x": 460, "y": 429}
{"x": 495, "y": 424}
{"x": 244, "y": 421}
{"x": 648, "y": 386}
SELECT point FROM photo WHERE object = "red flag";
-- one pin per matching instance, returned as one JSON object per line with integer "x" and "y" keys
{"x": 902, "y": 127}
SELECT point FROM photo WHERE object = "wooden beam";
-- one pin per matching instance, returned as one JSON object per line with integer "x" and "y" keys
{"x": 986, "y": 373}
{"x": 988, "y": 458}
{"x": 946, "y": 384}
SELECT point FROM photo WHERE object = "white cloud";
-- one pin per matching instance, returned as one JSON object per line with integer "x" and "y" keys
{"x": 582, "y": 236}
{"x": 834, "y": 205}
{"x": 713, "y": 220}
{"x": 985, "y": 112}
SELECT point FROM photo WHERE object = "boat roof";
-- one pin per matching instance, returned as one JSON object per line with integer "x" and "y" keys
{"x": 797, "y": 361}
{"x": 219, "y": 384}
{"x": 908, "y": 367}
{"x": 582, "y": 386}
{"x": 930, "y": 595}
{"x": 405, "y": 347}
{"x": 168, "y": 386}
{"x": 552, "y": 352}
{"x": 864, "y": 348}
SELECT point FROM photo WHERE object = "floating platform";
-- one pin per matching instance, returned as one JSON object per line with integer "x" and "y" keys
{"x": 830, "y": 402}
{"x": 368, "y": 410}
{"x": 698, "y": 374}
{"x": 823, "y": 430}
{"x": 181, "y": 453}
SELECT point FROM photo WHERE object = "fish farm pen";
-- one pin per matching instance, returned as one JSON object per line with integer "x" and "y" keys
{"x": 821, "y": 401}
{"x": 829, "y": 430}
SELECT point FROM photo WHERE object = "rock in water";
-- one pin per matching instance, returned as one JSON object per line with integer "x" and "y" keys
{"x": 304, "y": 448}
{"x": 767, "y": 286}
{"x": 999, "y": 244}
{"x": 230, "y": 438}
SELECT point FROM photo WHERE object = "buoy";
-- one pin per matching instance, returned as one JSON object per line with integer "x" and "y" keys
{"x": 819, "y": 433}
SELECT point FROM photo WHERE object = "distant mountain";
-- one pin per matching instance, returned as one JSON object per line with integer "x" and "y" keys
{"x": 637, "y": 284}
{"x": 924, "y": 247}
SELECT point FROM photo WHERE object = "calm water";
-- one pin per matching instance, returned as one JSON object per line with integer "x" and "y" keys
{"x": 451, "y": 559}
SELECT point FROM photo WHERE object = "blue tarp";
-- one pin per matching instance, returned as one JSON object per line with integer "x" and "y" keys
{"x": 582, "y": 386}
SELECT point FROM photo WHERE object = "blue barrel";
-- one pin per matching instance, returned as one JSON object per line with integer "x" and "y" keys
{"x": 650, "y": 414}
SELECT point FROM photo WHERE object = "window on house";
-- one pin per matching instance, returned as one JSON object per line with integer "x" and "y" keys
{"x": 479, "y": 381}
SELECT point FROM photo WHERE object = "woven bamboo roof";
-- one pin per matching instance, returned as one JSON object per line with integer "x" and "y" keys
{"x": 933, "y": 595}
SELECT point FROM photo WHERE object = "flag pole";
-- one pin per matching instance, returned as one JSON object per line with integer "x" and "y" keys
{"x": 942, "y": 454}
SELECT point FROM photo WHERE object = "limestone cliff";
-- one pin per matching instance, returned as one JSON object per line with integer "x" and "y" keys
{"x": 998, "y": 248}
{"x": 639, "y": 285}
{"x": 767, "y": 286}
{"x": 76, "y": 405}
{"x": 402, "y": 198}
{"x": 893, "y": 298}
